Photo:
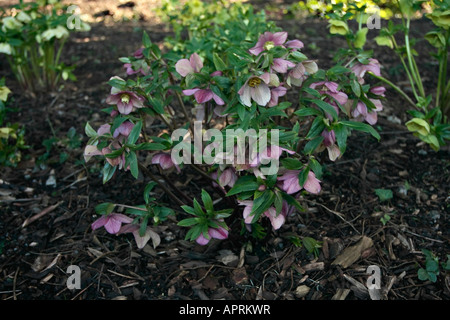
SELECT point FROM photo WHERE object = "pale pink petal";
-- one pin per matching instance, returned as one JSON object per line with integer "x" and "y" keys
{"x": 106, "y": 128}
{"x": 294, "y": 44}
{"x": 184, "y": 67}
{"x": 282, "y": 65}
{"x": 279, "y": 38}
{"x": 190, "y": 92}
{"x": 333, "y": 152}
{"x": 196, "y": 62}
{"x": 219, "y": 233}
{"x": 261, "y": 94}
{"x": 276, "y": 221}
{"x": 90, "y": 151}
{"x": 371, "y": 118}
{"x": 312, "y": 184}
{"x": 100, "y": 222}
{"x": 203, "y": 95}
{"x": 218, "y": 99}
{"x": 201, "y": 240}
{"x": 245, "y": 95}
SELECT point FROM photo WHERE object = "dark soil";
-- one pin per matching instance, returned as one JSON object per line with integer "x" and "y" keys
{"x": 34, "y": 258}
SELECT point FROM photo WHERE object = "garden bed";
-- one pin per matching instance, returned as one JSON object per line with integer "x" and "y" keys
{"x": 46, "y": 227}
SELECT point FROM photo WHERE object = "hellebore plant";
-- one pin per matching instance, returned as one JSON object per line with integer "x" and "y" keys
{"x": 33, "y": 40}
{"x": 264, "y": 112}
{"x": 430, "y": 113}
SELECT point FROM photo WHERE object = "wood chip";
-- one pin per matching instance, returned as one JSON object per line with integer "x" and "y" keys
{"x": 302, "y": 291}
{"x": 351, "y": 254}
{"x": 341, "y": 294}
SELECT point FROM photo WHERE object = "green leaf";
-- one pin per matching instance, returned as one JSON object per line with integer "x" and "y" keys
{"x": 384, "y": 194}
{"x": 291, "y": 164}
{"x": 316, "y": 167}
{"x": 316, "y": 128}
{"x": 108, "y": 172}
{"x": 148, "y": 188}
{"x": 90, "y": 132}
{"x": 188, "y": 222}
{"x": 146, "y": 40}
{"x": 312, "y": 145}
{"x": 218, "y": 62}
{"x": 261, "y": 204}
{"x": 422, "y": 274}
{"x": 207, "y": 201}
{"x": 356, "y": 87}
{"x": 245, "y": 183}
{"x": 304, "y": 112}
{"x": 105, "y": 208}
{"x": 135, "y": 132}
{"x": 150, "y": 146}
{"x": 361, "y": 127}
{"x": 326, "y": 107}
{"x": 133, "y": 162}
{"x": 189, "y": 210}
{"x": 302, "y": 176}
{"x": 432, "y": 266}
{"x": 360, "y": 40}
{"x": 341, "y": 133}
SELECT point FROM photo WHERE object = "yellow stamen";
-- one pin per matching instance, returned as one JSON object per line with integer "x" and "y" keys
{"x": 125, "y": 98}
{"x": 269, "y": 45}
{"x": 254, "y": 82}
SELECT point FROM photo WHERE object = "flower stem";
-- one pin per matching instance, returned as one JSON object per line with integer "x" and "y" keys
{"x": 402, "y": 93}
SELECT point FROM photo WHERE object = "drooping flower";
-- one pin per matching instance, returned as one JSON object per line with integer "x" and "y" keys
{"x": 281, "y": 65}
{"x": 193, "y": 65}
{"x": 10, "y": 23}
{"x": 213, "y": 233}
{"x": 418, "y": 125}
{"x": 290, "y": 183}
{"x": 329, "y": 142}
{"x": 294, "y": 44}
{"x": 5, "y": 48}
{"x": 165, "y": 161}
{"x": 338, "y": 27}
{"x": 360, "y": 69}
{"x": 256, "y": 88}
{"x": 123, "y": 131}
{"x": 228, "y": 177}
{"x": 330, "y": 88}
{"x": 126, "y": 101}
{"x": 379, "y": 90}
{"x": 361, "y": 112}
{"x": 268, "y": 40}
{"x": 204, "y": 95}
{"x": 275, "y": 94}
{"x": 247, "y": 210}
{"x": 58, "y": 33}
{"x": 112, "y": 222}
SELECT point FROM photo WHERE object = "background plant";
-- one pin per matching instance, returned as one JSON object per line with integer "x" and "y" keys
{"x": 12, "y": 139}
{"x": 430, "y": 113}
{"x": 32, "y": 38}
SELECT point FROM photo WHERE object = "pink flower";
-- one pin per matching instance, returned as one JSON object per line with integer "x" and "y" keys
{"x": 165, "y": 161}
{"x": 275, "y": 93}
{"x": 360, "y": 69}
{"x": 247, "y": 210}
{"x": 379, "y": 91}
{"x": 290, "y": 183}
{"x": 216, "y": 233}
{"x": 268, "y": 40}
{"x": 294, "y": 44}
{"x": 329, "y": 139}
{"x": 204, "y": 95}
{"x": 330, "y": 88}
{"x": 228, "y": 177}
{"x": 193, "y": 65}
{"x": 299, "y": 73}
{"x": 126, "y": 101}
{"x": 124, "y": 130}
{"x": 112, "y": 222}
{"x": 282, "y": 65}
{"x": 256, "y": 88}
{"x": 362, "y": 113}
